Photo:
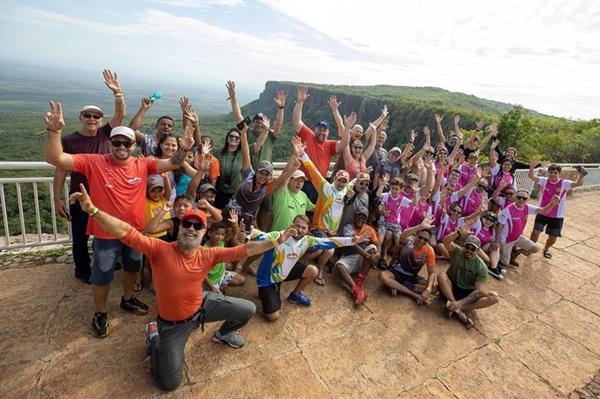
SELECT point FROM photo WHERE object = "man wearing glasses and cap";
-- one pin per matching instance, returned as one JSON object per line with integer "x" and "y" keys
{"x": 464, "y": 283}
{"x": 290, "y": 201}
{"x": 92, "y": 138}
{"x": 117, "y": 182}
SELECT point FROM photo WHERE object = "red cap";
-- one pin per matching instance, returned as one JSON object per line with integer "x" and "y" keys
{"x": 195, "y": 214}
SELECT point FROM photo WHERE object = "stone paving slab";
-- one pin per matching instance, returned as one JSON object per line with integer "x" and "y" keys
{"x": 541, "y": 341}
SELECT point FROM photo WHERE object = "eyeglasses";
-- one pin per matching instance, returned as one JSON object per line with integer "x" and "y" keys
{"x": 363, "y": 183}
{"x": 456, "y": 210}
{"x": 490, "y": 220}
{"x": 520, "y": 197}
{"x": 234, "y": 137}
{"x": 482, "y": 186}
{"x": 186, "y": 224}
{"x": 95, "y": 116}
{"x": 425, "y": 239}
{"x": 119, "y": 143}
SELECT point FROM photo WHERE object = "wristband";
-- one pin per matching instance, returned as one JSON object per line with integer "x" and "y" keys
{"x": 94, "y": 212}
{"x": 59, "y": 131}
{"x": 281, "y": 107}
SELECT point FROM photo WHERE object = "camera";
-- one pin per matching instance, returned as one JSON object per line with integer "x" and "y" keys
{"x": 244, "y": 122}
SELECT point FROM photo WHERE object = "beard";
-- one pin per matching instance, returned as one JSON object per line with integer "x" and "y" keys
{"x": 187, "y": 243}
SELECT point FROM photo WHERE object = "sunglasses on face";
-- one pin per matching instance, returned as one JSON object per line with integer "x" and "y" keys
{"x": 456, "y": 210}
{"x": 119, "y": 143}
{"x": 482, "y": 186}
{"x": 234, "y": 137}
{"x": 95, "y": 116}
{"x": 186, "y": 224}
{"x": 490, "y": 220}
{"x": 424, "y": 239}
{"x": 520, "y": 197}
{"x": 363, "y": 183}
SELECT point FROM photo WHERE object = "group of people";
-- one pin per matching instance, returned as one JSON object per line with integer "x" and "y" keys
{"x": 203, "y": 220}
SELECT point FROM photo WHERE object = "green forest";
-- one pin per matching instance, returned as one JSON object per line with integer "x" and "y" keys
{"x": 533, "y": 134}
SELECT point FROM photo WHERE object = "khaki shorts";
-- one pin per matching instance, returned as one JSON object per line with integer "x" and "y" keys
{"x": 522, "y": 243}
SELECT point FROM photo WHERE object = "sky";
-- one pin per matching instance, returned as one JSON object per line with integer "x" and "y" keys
{"x": 543, "y": 54}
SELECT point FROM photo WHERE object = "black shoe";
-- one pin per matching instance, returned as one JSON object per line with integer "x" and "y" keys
{"x": 496, "y": 273}
{"x": 134, "y": 305}
{"x": 100, "y": 325}
{"x": 84, "y": 278}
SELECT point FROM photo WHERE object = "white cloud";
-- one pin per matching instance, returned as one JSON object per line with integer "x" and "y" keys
{"x": 199, "y": 3}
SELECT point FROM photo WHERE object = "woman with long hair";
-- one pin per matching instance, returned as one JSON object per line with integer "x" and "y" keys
{"x": 230, "y": 160}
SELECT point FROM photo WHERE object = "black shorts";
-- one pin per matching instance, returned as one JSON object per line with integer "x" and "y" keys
{"x": 553, "y": 225}
{"x": 270, "y": 298}
{"x": 409, "y": 281}
{"x": 459, "y": 293}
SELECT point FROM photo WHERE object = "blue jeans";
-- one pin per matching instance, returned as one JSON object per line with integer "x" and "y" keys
{"x": 106, "y": 255}
{"x": 167, "y": 348}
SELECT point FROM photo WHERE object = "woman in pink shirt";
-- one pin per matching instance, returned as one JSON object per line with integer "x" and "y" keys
{"x": 355, "y": 156}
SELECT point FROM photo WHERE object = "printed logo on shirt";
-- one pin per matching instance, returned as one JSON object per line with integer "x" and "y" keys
{"x": 134, "y": 181}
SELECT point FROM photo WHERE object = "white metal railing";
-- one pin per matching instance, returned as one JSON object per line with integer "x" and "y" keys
{"x": 40, "y": 238}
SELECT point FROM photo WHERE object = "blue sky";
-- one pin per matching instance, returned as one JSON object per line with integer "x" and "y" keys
{"x": 542, "y": 54}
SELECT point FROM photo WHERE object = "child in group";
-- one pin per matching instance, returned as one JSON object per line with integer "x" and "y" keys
{"x": 450, "y": 221}
{"x": 485, "y": 229}
{"x": 163, "y": 222}
{"x": 219, "y": 277}
{"x": 389, "y": 222}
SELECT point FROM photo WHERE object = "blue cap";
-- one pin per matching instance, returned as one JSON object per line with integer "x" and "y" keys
{"x": 323, "y": 123}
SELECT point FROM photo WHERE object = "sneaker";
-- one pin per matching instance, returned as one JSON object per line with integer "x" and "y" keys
{"x": 100, "y": 325}
{"x": 359, "y": 295}
{"x": 502, "y": 270}
{"x": 496, "y": 273}
{"x": 151, "y": 332}
{"x": 233, "y": 339}
{"x": 134, "y": 305}
{"x": 299, "y": 298}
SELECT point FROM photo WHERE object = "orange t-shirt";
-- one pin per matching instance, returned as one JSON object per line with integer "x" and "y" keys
{"x": 117, "y": 189}
{"x": 178, "y": 277}
{"x": 215, "y": 167}
{"x": 318, "y": 152}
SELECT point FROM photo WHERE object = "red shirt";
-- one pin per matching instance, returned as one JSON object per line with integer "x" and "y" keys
{"x": 320, "y": 153}
{"x": 117, "y": 189}
{"x": 178, "y": 277}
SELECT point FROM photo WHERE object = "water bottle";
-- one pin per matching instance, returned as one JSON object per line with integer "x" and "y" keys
{"x": 155, "y": 96}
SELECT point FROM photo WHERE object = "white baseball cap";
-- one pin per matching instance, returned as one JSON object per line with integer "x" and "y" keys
{"x": 122, "y": 131}
{"x": 92, "y": 108}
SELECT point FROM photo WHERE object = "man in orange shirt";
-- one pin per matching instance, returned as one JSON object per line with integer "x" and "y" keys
{"x": 178, "y": 271}
{"x": 117, "y": 182}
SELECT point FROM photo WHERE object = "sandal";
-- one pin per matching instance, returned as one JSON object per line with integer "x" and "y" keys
{"x": 547, "y": 254}
{"x": 382, "y": 265}
{"x": 319, "y": 281}
{"x": 137, "y": 287}
{"x": 467, "y": 322}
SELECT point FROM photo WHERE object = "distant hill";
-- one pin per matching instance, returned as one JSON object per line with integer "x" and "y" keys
{"x": 410, "y": 107}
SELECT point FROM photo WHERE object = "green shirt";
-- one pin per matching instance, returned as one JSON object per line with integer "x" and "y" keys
{"x": 287, "y": 205}
{"x": 266, "y": 151}
{"x": 465, "y": 273}
{"x": 215, "y": 275}
{"x": 231, "y": 171}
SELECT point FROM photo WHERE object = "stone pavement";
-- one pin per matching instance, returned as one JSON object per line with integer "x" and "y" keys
{"x": 541, "y": 341}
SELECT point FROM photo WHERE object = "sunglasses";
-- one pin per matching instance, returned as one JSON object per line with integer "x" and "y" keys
{"x": 186, "y": 224}
{"x": 456, "y": 210}
{"x": 490, "y": 220}
{"x": 363, "y": 183}
{"x": 119, "y": 143}
{"x": 425, "y": 239}
{"x": 482, "y": 186}
{"x": 95, "y": 116}
{"x": 234, "y": 137}
{"x": 520, "y": 197}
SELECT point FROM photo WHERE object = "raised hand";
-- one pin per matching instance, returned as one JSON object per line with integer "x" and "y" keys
{"x": 427, "y": 222}
{"x": 184, "y": 102}
{"x": 302, "y": 94}
{"x": 202, "y": 204}
{"x": 233, "y": 216}
{"x": 533, "y": 162}
{"x": 413, "y": 135}
{"x": 438, "y": 118}
{"x": 465, "y": 229}
{"x": 384, "y": 125}
{"x": 456, "y": 119}
{"x": 54, "y": 119}
{"x": 297, "y": 146}
{"x": 280, "y": 98}
{"x": 230, "y": 89}
{"x": 206, "y": 147}
{"x": 495, "y": 143}
{"x": 146, "y": 103}
{"x": 187, "y": 140}
{"x": 333, "y": 103}
{"x": 84, "y": 199}
{"x": 494, "y": 129}
{"x": 111, "y": 80}
{"x": 266, "y": 123}
{"x": 384, "y": 111}
{"x": 426, "y": 131}
{"x": 480, "y": 124}
{"x": 350, "y": 120}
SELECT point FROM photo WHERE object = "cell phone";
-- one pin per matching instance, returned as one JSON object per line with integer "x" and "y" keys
{"x": 583, "y": 171}
{"x": 244, "y": 122}
{"x": 248, "y": 220}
